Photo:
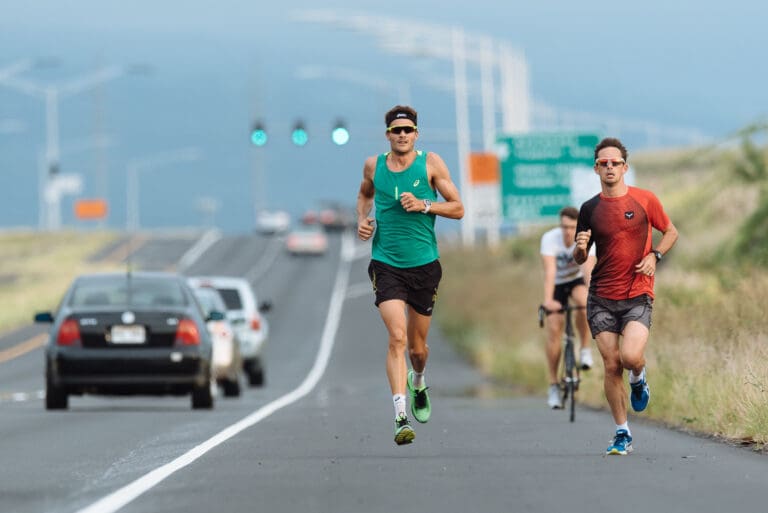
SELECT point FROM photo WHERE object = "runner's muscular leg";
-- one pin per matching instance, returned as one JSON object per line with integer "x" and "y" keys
{"x": 418, "y": 329}
{"x": 613, "y": 384}
{"x": 634, "y": 340}
{"x": 393, "y": 314}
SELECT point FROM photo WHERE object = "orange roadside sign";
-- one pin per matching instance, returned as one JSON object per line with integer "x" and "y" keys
{"x": 483, "y": 168}
{"x": 91, "y": 209}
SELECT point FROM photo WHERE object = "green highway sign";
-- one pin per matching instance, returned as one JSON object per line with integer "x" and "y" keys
{"x": 536, "y": 172}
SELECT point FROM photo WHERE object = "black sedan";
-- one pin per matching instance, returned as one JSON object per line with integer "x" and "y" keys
{"x": 127, "y": 333}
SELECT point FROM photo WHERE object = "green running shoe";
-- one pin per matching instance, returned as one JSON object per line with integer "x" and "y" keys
{"x": 420, "y": 405}
{"x": 404, "y": 433}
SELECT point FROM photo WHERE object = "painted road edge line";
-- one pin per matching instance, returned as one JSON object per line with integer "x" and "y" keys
{"x": 23, "y": 348}
{"x": 116, "y": 500}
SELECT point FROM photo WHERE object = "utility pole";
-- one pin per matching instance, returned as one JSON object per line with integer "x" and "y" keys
{"x": 53, "y": 190}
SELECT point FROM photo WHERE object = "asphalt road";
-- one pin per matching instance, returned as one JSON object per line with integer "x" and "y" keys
{"x": 318, "y": 436}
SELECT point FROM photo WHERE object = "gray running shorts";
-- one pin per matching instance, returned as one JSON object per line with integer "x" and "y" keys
{"x": 613, "y": 315}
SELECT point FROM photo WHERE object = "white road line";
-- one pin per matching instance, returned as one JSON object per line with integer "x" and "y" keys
{"x": 208, "y": 239}
{"x": 18, "y": 397}
{"x": 268, "y": 257}
{"x": 128, "y": 493}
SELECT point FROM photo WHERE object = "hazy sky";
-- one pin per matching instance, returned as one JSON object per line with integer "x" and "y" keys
{"x": 215, "y": 67}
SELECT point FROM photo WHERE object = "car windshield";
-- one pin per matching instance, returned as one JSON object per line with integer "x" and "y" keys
{"x": 123, "y": 291}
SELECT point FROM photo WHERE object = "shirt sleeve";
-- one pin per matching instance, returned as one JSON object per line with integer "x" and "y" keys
{"x": 547, "y": 247}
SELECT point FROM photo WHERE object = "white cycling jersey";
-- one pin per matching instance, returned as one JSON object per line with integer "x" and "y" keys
{"x": 552, "y": 245}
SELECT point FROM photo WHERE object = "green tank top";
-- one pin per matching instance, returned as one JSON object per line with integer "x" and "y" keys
{"x": 403, "y": 239}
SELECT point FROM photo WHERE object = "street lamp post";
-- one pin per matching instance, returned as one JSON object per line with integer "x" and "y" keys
{"x": 148, "y": 164}
{"x": 51, "y": 94}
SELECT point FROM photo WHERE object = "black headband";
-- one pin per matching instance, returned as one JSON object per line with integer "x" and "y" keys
{"x": 401, "y": 114}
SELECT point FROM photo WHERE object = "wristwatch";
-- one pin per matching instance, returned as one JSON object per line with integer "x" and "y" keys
{"x": 657, "y": 254}
{"x": 427, "y": 206}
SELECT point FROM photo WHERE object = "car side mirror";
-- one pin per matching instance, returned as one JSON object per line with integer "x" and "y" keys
{"x": 44, "y": 317}
{"x": 265, "y": 306}
{"x": 215, "y": 315}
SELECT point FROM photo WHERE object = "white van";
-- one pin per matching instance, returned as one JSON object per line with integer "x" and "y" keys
{"x": 244, "y": 312}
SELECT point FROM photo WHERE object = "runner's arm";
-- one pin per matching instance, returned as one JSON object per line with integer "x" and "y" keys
{"x": 550, "y": 268}
{"x": 452, "y": 207}
{"x": 365, "y": 200}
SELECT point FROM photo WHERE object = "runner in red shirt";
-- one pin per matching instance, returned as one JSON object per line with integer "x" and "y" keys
{"x": 620, "y": 221}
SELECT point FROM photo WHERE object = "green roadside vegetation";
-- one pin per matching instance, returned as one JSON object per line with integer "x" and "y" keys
{"x": 37, "y": 267}
{"x": 708, "y": 351}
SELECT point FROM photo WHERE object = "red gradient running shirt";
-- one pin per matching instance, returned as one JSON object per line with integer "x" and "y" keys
{"x": 622, "y": 232}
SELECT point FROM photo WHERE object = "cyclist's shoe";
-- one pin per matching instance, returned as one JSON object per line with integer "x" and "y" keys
{"x": 621, "y": 444}
{"x": 404, "y": 433}
{"x": 420, "y": 405}
{"x": 585, "y": 358}
{"x": 640, "y": 395}
{"x": 555, "y": 401}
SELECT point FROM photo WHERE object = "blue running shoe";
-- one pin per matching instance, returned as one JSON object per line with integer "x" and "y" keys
{"x": 621, "y": 445}
{"x": 640, "y": 395}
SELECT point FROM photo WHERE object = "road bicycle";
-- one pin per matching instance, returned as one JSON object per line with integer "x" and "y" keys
{"x": 569, "y": 370}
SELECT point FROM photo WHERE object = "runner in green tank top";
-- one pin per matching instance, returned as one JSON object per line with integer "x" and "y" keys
{"x": 404, "y": 269}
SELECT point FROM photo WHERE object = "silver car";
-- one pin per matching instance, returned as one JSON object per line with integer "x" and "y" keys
{"x": 244, "y": 312}
{"x": 227, "y": 363}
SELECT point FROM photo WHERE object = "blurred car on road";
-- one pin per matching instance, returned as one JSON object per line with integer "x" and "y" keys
{"x": 270, "y": 222}
{"x": 335, "y": 216}
{"x": 244, "y": 312}
{"x": 307, "y": 240}
{"x": 309, "y": 217}
{"x": 127, "y": 333}
{"x": 227, "y": 361}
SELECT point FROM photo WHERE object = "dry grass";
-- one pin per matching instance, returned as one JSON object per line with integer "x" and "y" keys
{"x": 709, "y": 342}
{"x": 37, "y": 267}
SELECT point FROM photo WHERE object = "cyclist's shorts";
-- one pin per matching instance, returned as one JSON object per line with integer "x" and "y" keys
{"x": 613, "y": 315}
{"x": 563, "y": 291}
{"x": 417, "y": 286}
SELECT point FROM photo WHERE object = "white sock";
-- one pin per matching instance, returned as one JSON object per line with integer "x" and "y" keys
{"x": 399, "y": 401}
{"x": 636, "y": 379}
{"x": 418, "y": 380}
{"x": 625, "y": 427}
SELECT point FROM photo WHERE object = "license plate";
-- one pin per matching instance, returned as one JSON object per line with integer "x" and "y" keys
{"x": 128, "y": 335}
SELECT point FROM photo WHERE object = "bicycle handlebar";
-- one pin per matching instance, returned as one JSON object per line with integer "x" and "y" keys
{"x": 543, "y": 312}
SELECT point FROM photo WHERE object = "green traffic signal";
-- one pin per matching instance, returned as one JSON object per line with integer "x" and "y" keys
{"x": 340, "y": 134}
{"x": 299, "y": 135}
{"x": 258, "y": 135}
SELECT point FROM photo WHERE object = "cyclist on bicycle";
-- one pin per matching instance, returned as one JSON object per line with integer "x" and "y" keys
{"x": 564, "y": 279}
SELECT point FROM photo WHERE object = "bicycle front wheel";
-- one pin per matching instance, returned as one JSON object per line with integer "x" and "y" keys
{"x": 570, "y": 379}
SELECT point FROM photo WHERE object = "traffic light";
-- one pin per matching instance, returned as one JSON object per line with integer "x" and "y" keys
{"x": 258, "y": 134}
{"x": 340, "y": 134}
{"x": 299, "y": 135}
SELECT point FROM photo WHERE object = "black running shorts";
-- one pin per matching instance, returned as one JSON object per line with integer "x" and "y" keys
{"x": 417, "y": 286}
{"x": 613, "y": 315}
{"x": 563, "y": 291}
